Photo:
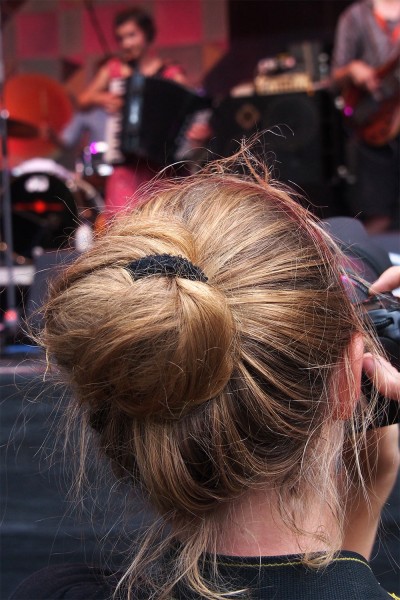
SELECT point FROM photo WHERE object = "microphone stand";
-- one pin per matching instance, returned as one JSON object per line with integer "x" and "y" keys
{"x": 88, "y": 4}
{"x": 11, "y": 315}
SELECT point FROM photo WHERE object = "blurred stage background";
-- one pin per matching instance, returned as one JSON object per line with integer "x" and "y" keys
{"x": 219, "y": 44}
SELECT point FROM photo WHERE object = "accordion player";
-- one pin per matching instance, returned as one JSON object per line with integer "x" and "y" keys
{"x": 154, "y": 119}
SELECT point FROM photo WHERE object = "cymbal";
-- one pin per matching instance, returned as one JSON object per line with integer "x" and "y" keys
{"x": 49, "y": 104}
{"x": 21, "y": 129}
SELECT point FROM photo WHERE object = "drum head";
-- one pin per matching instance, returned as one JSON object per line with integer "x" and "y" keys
{"x": 44, "y": 213}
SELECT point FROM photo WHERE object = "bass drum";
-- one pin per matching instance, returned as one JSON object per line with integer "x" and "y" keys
{"x": 49, "y": 205}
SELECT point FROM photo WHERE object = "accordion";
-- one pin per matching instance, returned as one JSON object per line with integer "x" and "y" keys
{"x": 155, "y": 117}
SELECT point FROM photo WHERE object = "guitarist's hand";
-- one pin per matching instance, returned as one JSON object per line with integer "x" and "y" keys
{"x": 362, "y": 75}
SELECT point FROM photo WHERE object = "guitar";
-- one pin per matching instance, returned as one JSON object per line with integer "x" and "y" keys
{"x": 376, "y": 116}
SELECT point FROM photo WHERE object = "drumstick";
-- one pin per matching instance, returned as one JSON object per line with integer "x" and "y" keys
{"x": 46, "y": 129}
{"x": 44, "y": 107}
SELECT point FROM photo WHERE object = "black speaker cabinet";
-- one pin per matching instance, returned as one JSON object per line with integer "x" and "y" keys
{"x": 297, "y": 135}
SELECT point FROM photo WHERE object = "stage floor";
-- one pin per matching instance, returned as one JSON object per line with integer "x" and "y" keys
{"x": 40, "y": 524}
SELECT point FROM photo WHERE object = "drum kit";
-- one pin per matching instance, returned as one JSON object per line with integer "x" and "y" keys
{"x": 44, "y": 206}
{"x": 48, "y": 202}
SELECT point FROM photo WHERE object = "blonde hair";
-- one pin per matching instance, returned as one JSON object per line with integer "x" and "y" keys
{"x": 199, "y": 392}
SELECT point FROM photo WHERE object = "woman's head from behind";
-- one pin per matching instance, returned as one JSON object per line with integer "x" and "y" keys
{"x": 202, "y": 391}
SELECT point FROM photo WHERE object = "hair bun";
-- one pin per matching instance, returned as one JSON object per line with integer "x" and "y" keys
{"x": 156, "y": 345}
{"x": 180, "y": 355}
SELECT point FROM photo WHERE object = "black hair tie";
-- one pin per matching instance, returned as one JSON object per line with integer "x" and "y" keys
{"x": 167, "y": 265}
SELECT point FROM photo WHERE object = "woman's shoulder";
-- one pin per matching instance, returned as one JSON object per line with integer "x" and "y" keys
{"x": 357, "y": 13}
{"x": 116, "y": 68}
{"x": 67, "y": 582}
{"x": 347, "y": 577}
{"x": 173, "y": 70}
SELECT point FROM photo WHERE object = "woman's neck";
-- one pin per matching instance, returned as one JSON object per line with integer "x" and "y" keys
{"x": 253, "y": 527}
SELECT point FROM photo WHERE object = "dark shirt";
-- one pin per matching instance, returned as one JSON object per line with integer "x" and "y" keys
{"x": 360, "y": 37}
{"x": 348, "y": 577}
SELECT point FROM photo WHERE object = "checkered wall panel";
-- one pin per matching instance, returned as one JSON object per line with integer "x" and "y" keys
{"x": 58, "y": 38}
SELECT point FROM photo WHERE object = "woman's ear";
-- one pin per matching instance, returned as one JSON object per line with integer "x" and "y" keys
{"x": 350, "y": 387}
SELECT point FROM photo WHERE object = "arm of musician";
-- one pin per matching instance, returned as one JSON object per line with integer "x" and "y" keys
{"x": 97, "y": 94}
{"x": 68, "y": 137}
{"x": 199, "y": 133}
{"x": 48, "y": 134}
{"x": 346, "y": 68}
{"x": 357, "y": 73}
{"x": 181, "y": 78}
{"x": 175, "y": 72}
{"x": 199, "y": 130}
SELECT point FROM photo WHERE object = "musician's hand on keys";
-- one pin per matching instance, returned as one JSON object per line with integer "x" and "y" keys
{"x": 111, "y": 102}
{"x": 363, "y": 75}
{"x": 199, "y": 132}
